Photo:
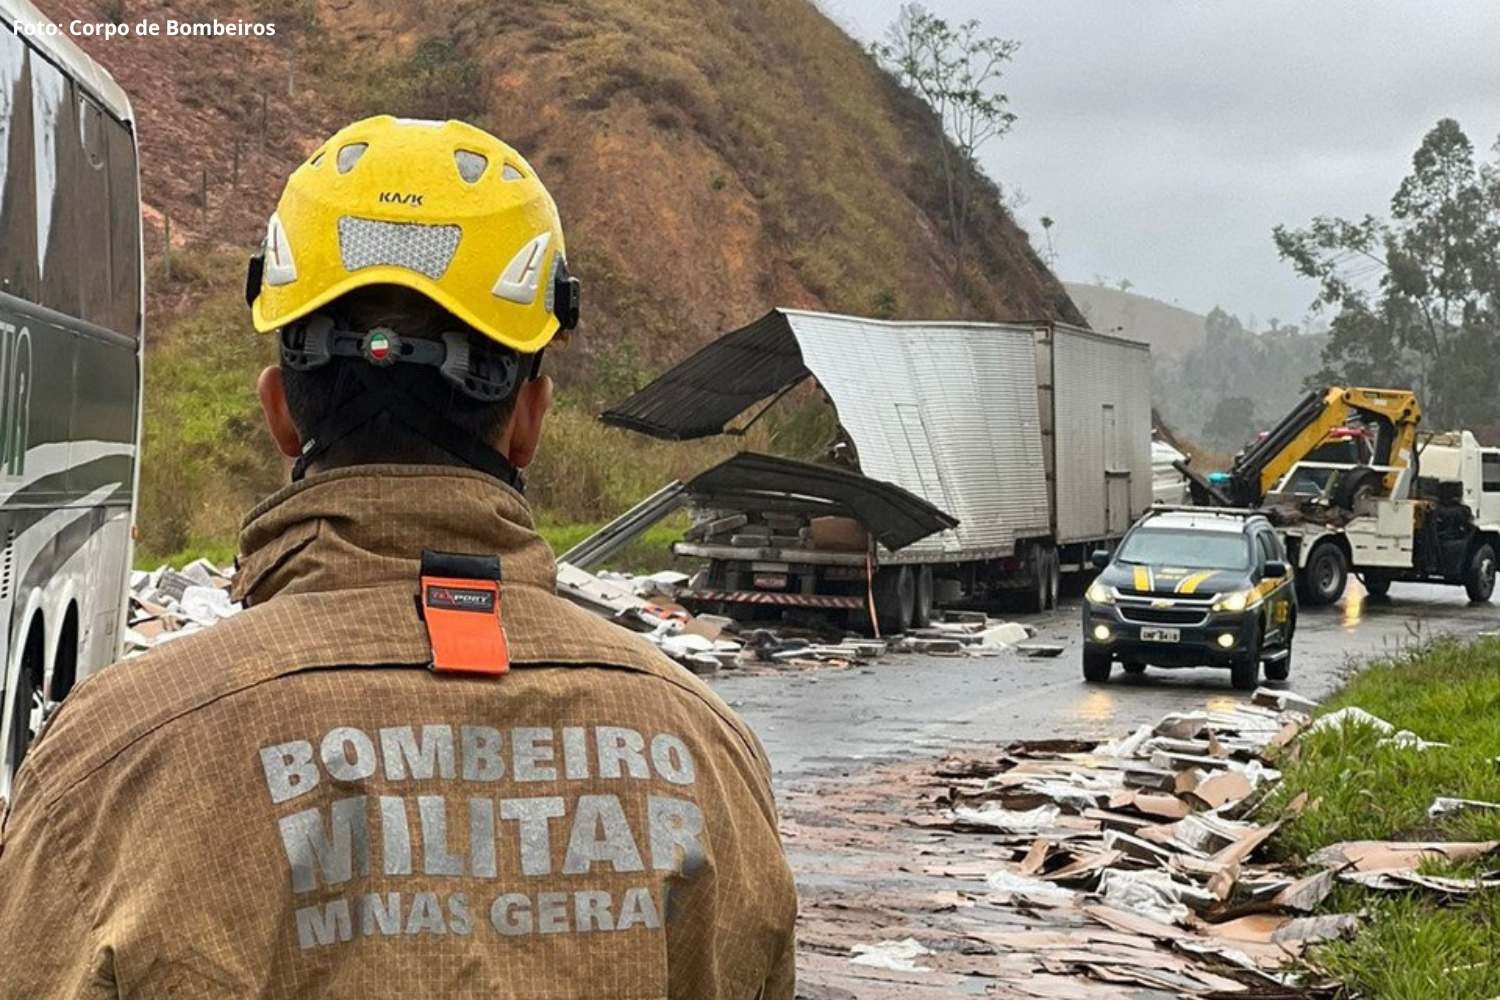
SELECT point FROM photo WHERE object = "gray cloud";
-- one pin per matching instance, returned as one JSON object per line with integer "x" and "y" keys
{"x": 1167, "y": 137}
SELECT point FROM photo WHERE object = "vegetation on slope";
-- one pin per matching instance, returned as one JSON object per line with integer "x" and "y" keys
{"x": 1409, "y": 948}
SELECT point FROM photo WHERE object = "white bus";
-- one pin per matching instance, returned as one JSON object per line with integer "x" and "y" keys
{"x": 70, "y": 369}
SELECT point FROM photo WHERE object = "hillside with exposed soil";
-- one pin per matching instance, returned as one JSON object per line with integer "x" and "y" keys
{"x": 710, "y": 159}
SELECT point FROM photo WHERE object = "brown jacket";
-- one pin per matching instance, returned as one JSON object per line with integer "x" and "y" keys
{"x": 290, "y": 805}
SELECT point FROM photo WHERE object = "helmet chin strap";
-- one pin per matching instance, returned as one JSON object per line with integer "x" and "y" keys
{"x": 376, "y": 397}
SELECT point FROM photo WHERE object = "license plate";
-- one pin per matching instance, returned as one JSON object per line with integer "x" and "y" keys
{"x": 1161, "y": 635}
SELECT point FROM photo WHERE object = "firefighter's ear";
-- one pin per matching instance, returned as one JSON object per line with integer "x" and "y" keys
{"x": 279, "y": 421}
{"x": 524, "y": 432}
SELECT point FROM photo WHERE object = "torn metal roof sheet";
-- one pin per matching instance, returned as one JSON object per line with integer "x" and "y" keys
{"x": 699, "y": 397}
{"x": 948, "y": 411}
{"x": 751, "y": 481}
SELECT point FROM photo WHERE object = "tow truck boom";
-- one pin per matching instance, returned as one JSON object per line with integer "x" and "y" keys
{"x": 1394, "y": 412}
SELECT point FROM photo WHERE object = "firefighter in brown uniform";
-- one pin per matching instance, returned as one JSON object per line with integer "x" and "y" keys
{"x": 408, "y": 769}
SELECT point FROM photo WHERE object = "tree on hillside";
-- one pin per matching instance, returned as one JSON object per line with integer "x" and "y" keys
{"x": 957, "y": 72}
{"x": 1418, "y": 297}
{"x": 1232, "y": 422}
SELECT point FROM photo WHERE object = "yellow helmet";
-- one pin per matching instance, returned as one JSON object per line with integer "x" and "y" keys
{"x": 442, "y": 208}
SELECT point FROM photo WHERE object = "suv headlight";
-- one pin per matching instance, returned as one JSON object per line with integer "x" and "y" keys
{"x": 1098, "y": 593}
{"x": 1239, "y": 600}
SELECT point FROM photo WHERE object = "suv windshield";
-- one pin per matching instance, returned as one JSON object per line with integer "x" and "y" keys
{"x": 1188, "y": 549}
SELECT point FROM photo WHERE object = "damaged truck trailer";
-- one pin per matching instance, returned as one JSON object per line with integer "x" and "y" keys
{"x": 972, "y": 460}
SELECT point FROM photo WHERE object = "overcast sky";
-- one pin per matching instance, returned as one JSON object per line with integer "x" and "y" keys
{"x": 1167, "y": 137}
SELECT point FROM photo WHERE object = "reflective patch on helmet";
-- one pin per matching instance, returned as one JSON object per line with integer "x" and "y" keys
{"x": 518, "y": 282}
{"x": 349, "y": 155}
{"x": 280, "y": 268}
{"x": 416, "y": 247}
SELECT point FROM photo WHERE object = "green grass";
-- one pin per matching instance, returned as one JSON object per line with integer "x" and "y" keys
{"x": 1411, "y": 947}
{"x": 1447, "y": 692}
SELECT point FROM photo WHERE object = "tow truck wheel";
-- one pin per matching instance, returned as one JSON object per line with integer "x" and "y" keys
{"x": 922, "y": 609}
{"x": 1096, "y": 667}
{"x": 1326, "y": 575}
{"x": 1479, "y": 580}
{"x": 895, "y": 599}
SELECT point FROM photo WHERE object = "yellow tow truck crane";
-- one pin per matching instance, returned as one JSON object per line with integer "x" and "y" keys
{"x": 1392, "y": 415}
{"x": 1388, "y": 510}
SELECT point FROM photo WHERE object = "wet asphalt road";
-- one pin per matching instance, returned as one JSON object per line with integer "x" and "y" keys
{"x": 825, "y": 721}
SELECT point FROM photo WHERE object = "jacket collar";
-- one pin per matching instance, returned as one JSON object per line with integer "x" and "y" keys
{"x": 366, "y": 526}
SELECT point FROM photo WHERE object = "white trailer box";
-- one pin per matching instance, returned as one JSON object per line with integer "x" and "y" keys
{"x": 1035, "y": 437}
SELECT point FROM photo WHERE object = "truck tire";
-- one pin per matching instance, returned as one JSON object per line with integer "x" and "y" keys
{"x": 1355, "y": 485}
{"x": 1377, "y": 584}
{"x": 1037, "y": 596}
{"x": 1096, "y": 667}
{"x": 1326, "y": 575}
{"x": 895, "y": 599}
{"x": 1054, "y": 578}
{"x": 922, "y": 609}
{"x": 1479, "y": 577}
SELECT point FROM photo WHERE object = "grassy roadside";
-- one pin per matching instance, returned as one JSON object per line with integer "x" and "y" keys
{"x": 1411, "y": 947}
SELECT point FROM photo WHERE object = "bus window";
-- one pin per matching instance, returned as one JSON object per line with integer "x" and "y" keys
{"x": 18, "y": 271}
{"x": 86, "y": 179}
{"x": 124, "y": 231}
{"x": 56, "y": 149}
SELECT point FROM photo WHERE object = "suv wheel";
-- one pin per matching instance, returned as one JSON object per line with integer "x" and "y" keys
{"x": 1096, "y": 667}
{"x": 1244, "y": 670}
{"x": 1134, "y": 667}
{"x": 1280, "y": 669}
{"x": 1479, "y": 580}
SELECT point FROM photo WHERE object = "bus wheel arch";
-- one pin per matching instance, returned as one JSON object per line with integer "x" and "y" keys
{"x": 30, "y": 676}
{"x": 65, "y": 659}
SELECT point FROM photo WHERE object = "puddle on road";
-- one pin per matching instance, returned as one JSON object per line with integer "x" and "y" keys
{"x": 1353, "y": 611}
{"x": 1097, "y": 706}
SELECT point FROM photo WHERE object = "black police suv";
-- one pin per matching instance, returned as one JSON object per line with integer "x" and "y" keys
{"x": 1193, "y": 587}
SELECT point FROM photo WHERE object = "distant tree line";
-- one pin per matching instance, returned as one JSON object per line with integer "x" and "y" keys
{"x": 1416, "y": 297}
{"x": 1238, "y": 382}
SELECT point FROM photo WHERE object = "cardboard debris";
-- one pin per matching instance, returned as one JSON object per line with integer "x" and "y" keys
{"x": 1387, "y": 856}
{"x": 895, "y": 955}
{"x": 167, "y": 604}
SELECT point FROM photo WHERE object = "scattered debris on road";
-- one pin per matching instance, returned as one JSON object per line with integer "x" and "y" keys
{"x": 1077, "y": 869}
{"x": 704, "y": 643}
{"x": 166, "y": 604}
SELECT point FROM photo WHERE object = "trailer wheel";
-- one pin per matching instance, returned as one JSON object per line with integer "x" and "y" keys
{"x": 1040, "y": 595}
{"x": 1054, "y": 578}
{"x": 895, "y": 599}
{"x": 922, "y": 610}
{"x": 1479, "y": 579}
{"x": 1326, "y": 575}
